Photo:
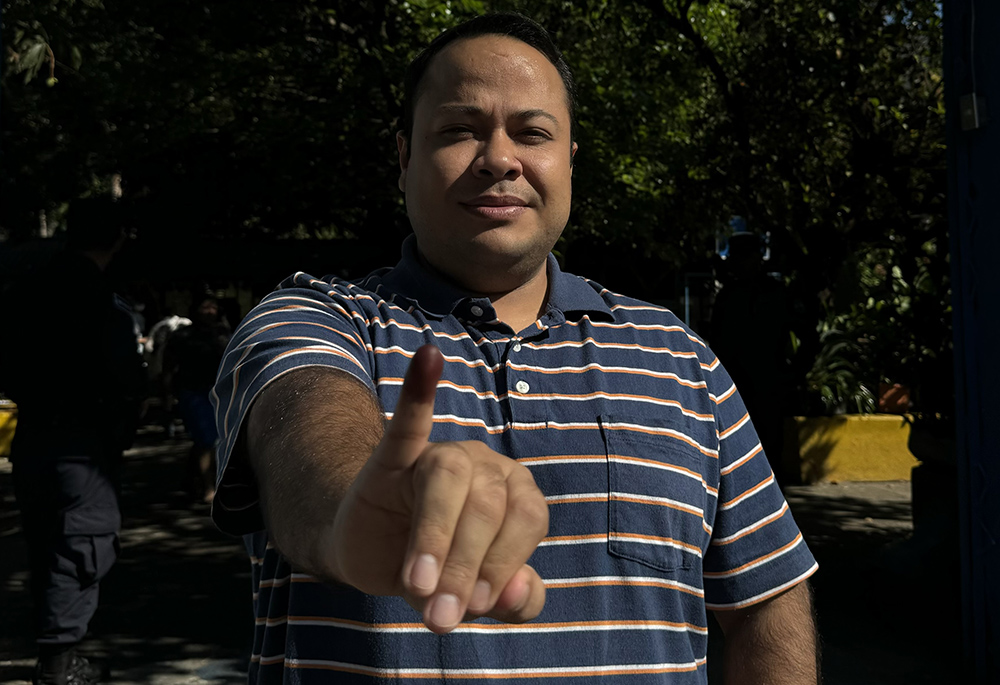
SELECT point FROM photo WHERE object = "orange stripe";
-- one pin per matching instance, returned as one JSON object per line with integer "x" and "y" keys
{"x": 657, "y": 538}
{"x": 588, "y": 457}
{"x": 735, "y": 427}
{"x": 599, "y": 343}
{"x": 624, "y": 583}
{"x": 726, "y": 395}
{"x": 496, "y": 626}
{"x": 718, "y": 574}
{"x": 559, "y": 538}
{"x": 498, "y": 676}
{"x": 613, "y": 395}
{"x": 747, "y": 492}
{"x": 673, "y": 467}
{"x": 732, "y": 467}
{"x": 682, "y": 438}
{"x": 784, "y": 510}
{"x": 635, "y": 372}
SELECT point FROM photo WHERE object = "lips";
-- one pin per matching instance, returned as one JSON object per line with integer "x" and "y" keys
{"x": 496, "y": 207}
{"x": 497, "y": 201}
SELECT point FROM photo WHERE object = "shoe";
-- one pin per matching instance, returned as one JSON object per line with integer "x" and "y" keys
{"x": 78, "y": 671}
{"x": 84, "y": 670}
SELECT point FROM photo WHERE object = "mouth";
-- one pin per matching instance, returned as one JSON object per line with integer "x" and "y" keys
{"x": 496, "y": 206}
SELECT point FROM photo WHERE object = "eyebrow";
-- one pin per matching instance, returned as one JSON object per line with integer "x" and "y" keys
{"x": 478, "y": 111}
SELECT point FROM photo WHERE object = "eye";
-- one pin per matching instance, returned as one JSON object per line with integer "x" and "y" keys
{"x": 534, "y": 136}
{"x": 458, "y": 130}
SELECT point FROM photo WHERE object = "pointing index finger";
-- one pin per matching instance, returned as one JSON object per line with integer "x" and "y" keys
{"x": 412, "y": 421}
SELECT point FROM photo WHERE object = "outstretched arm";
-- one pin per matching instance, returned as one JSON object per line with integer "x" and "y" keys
{"x": 773, "y": 642}
{"x": 446, "y": 526}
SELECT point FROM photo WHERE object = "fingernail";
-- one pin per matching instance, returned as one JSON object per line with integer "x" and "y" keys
{"x": 480, "y": 596}
{"x": 444, "y": 611}
{"x": 424, "y": 574}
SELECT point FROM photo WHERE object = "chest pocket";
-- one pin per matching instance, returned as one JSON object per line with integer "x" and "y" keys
{"x": 656, "y": 496}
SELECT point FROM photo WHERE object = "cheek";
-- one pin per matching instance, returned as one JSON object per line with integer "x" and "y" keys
{"x": 551, "y": 174}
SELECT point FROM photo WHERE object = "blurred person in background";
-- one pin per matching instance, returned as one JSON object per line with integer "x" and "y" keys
{"x": 191, "y": 359}
{"x": 78, "y": 399}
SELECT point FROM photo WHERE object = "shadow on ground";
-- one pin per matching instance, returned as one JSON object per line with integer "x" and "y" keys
{"x": 178, "y": 599}
{"x": 176, "y": 607}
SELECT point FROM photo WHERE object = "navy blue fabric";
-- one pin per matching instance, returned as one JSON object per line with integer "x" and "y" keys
{"x": 661, "y": 501}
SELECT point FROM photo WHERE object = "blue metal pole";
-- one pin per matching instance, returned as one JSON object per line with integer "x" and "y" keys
{"x": 972, "y": 80}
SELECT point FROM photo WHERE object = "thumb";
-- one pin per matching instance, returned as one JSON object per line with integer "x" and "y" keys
{"x": 407, "y": 434}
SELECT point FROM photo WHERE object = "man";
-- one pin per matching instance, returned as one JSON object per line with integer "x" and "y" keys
{"x": 78, "y": 400}
{"x": 571, "y": 464}
{"x": 190, "y": 362}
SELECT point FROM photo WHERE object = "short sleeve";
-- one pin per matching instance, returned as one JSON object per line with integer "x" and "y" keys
{"x": 756, "y": 550}
{"x": 305, "y": 322}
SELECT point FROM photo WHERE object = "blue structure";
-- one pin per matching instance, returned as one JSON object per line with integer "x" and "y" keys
{"x": 972, "y": 79}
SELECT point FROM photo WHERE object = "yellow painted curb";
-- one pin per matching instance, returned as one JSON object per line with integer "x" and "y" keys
{"x": 8, "y": 422}
{"x": 862, "y": 447}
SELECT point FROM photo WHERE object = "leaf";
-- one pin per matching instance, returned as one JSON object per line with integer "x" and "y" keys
{"x": 75, "y": 58}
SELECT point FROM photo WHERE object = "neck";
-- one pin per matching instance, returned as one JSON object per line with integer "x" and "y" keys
{"x": 518, "y": 305}
{"x": 522, "y": 306}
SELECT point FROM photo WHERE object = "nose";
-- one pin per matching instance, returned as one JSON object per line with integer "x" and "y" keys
{"x": 498, "y": 158}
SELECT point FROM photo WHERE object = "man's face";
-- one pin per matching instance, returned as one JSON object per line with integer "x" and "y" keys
{"x": 487, "y": 181}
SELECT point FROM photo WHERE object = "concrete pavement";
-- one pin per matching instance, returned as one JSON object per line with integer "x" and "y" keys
{"x": 175, "y": 609}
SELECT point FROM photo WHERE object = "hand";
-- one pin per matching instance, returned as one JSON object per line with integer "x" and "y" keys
{"x": 447, "y": 526}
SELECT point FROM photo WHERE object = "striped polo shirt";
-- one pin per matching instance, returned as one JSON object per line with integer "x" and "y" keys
{"x": 661, "y": 501}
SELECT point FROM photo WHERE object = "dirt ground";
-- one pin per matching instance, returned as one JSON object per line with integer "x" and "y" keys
{"x": 176, "y": 607}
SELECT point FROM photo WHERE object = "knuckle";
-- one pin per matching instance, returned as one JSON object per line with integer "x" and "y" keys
{"x": 460, "y": 573}
{"x": 433, "y": 535}
{"x": 531, "y": 508}
{"x": 445, "y": 460}
{"x": 488, "y": 499}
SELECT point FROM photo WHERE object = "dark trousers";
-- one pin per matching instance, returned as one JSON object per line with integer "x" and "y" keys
{"x": 71, "y": 519}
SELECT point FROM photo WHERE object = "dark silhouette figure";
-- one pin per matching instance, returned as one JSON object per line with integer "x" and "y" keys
{"x": 191, "y": 360}
{"x": 69, "y": 359}
{"x": 750, "y": 333}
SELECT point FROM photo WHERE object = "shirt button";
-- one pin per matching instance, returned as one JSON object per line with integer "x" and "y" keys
{"x": 517, "y": 347}
{"x": 522, "y": 387}
{"x": 476, "y": 310}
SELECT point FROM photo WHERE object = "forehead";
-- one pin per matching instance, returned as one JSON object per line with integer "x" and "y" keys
{"x": 472, "y": 68}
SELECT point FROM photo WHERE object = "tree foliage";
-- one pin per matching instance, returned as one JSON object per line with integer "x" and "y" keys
{"x": 822, "y": 123}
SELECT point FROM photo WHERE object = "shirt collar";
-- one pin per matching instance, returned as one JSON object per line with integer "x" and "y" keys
{"x": 429, "y": 291}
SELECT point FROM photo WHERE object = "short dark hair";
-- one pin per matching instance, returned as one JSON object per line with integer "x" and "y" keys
{"x": 510, "y": 24}
{"x": 95, "y": 223}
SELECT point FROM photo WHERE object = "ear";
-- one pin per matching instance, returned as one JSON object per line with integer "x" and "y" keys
{"x": 404, "y": 159}
{"x": 572, "y": 156}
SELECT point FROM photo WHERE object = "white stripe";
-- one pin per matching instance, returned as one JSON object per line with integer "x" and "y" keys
{"x": 598, "y": 540}
{"x": 735, "y": 428}
{"x": 577, "y": 496}
{"x": 542, "y": 461}
{"x": 547, "y": 397}
{"x": 448, "y": 358}
{"x": 626, "y": 537}
{"x": 519, "y": 672}
{"x": 660, "y": 431}
{"x": 661, "y": 500}
{"x": 763, "y": 595}
{"x": 746, "y": 495}
{"x": 612, "y": 346}
{"x": 767, "y": 519}
{"x": 665, "y": 467}
{"x": 746, "y": 457}
{"x": 606, "y": 369}
{"x": 491, "y": 629}
{"x": 621, "y": 580}
{"x": 274, "y": 582}
{"x": 758, "y": 564}
{"x": 724, "y": 396}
